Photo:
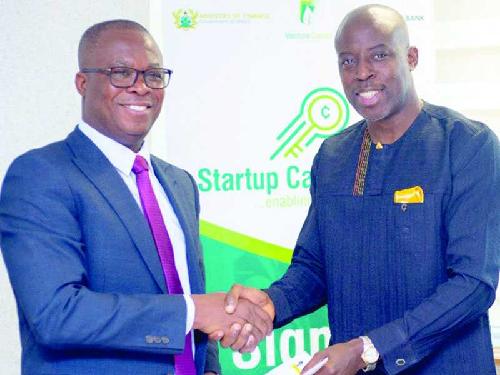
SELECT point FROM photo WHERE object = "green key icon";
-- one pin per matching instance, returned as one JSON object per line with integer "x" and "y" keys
{"x": 323, "y": 112}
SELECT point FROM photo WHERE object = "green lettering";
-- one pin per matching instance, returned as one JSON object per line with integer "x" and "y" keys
{"x": 247, "y": 178}
{"x": 306, "y": 182}
{"x": 227, "y": 182}
{"x": 271, "y": 181}
{"x": 291, "y": 180}
{"x": 239, "y": 177}
{"x": 216, "y": 180}
{"x": 258, "y": 181}
{"x": 204, "y": 177}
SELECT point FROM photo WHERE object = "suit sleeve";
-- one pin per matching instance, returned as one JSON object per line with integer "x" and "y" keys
{"x": 212, "y": 362}
{"x": 46, "y": 259}
{"x": 302, "y": 289}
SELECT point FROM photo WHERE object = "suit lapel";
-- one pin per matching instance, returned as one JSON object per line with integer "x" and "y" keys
{"x": 96, "y": 167}
{"x": 179, "y": 201}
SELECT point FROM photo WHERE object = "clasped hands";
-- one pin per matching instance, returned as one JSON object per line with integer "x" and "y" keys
{"x": 241, "y": 318}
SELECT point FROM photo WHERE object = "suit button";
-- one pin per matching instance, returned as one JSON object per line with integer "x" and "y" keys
{"x": 400, "y": 362}
{"x": 149, "y": 339}
{"x": 165, "y": 339}
{"x": 404, "y": 207}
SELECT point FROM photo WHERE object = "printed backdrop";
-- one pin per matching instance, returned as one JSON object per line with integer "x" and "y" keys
{"x": 255, "y": 90}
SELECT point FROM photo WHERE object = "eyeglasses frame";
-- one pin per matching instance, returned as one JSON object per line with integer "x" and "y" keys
{"x": 108, "y": 71}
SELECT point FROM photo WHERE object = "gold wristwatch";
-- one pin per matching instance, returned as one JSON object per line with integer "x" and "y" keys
{"x": 370, "y": 355}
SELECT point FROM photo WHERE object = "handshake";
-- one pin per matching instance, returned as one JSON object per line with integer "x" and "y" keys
{"x": 239, "y": 319}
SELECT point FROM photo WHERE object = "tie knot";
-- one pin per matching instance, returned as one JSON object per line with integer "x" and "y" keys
{"x": 140, "y": 165}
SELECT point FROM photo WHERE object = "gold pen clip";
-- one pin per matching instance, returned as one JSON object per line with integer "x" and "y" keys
{"x": 411, "y": 195}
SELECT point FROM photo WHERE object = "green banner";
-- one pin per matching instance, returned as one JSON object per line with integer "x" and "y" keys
{"x": 232, "y": 257}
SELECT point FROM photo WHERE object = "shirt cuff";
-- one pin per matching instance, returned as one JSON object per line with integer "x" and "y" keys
{"x": 189, "y": 313}
{"x": 393, "y": 347}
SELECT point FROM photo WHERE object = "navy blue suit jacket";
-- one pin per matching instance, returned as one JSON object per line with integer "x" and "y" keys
{"x": 84, "y": 268}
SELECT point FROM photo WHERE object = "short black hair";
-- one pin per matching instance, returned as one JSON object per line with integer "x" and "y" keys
{"x": 91, "y": 36}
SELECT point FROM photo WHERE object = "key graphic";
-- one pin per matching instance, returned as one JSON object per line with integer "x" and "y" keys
{"x": 323, "y": 112}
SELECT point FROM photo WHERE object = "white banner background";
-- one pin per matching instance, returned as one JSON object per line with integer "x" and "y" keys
{"x": 240, "y": 76}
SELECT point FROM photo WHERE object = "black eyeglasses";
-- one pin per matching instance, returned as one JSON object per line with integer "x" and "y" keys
{"x": 124, "y": 77}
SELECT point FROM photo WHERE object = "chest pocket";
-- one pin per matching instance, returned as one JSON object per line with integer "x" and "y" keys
{"x": 416, "y": 225}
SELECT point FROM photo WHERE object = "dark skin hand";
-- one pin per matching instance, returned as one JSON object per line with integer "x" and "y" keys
{"x": 212, "y": 318}
{"x": 343, "y": 359}
{"x": 241, "y": 337}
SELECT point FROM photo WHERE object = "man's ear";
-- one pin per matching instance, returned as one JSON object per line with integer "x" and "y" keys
{"x": 81, "y": 83}
{"x": 412, "y": 57}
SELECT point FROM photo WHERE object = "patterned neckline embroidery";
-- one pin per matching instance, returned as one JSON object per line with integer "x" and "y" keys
{"x": 364, "y": 153}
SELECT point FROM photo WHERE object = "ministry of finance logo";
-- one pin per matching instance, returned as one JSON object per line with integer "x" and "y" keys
{"x": 185, "y": 19}
{"x": 323, "y": 112}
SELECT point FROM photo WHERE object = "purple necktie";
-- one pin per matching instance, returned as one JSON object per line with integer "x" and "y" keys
{"x": 184, "y": 363}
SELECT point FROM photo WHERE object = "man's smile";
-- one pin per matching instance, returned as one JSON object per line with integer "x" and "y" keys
{"x": 368, "y": 97}
{"x": 137, "y": 107}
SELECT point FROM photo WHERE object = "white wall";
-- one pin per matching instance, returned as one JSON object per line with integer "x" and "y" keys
{"x": 467, "y": 42}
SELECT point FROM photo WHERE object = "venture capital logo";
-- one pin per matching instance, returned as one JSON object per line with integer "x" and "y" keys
{"x": 306, "y": 10}
{"x": 185, "y": 19}
{"x": 323, "y": 112}
{"x": 305, "y": 30}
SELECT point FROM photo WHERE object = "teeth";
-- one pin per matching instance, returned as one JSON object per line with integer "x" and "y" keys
{"x": 367, "y": 94}
{"x": 137, "y": 107}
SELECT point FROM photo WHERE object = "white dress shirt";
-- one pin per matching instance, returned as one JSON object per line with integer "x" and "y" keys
{"x": 122, "y": 158}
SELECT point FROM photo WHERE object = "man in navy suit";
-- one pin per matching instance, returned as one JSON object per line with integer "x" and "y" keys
{"x": 79, "y": 243}
{"x": 403, "y": 233}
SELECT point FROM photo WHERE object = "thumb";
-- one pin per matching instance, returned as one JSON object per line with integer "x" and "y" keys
{"x": 232, "y": 297}
{"x": 216, "y": 335}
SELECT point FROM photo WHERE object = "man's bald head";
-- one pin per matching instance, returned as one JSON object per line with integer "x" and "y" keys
{"x": 375, "y": 63}
{"x": 124, "y": 113}
{"x": 380, "y": 17}
{"x": 90, "y": 38}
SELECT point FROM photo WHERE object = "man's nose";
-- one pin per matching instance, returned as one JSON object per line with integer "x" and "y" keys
{"x": 364, "y": 70}
{"x": 140, "y": 86}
